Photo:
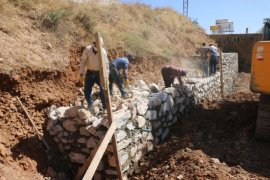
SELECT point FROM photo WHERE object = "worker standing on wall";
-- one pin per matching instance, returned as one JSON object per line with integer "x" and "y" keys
{"x": 90, "y": 64}
{"x": 213, "y": 52}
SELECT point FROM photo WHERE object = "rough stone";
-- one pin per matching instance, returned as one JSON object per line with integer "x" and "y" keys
{"x": 84, "y": 131}
{"x": 72, "y": 111}
{"x": 154, "y": 87}
{"x": 111, "y": 172}
{"x": 142, "y": 108}
{"x": 77, "y": 157}
{"x": 120, "y": 135}
{"x": 123, "y": 144}
{"x": 165, "y": 134}
{"x": 133, "y": 150}
{"x": 154, "y": 102}
{"x": 55, "y": 130}
{"x": 81, "y": 140}
{"x": 94, "y": 110}
{"x": 123, "y": 157}
{"x": 122, "y": 118}
{"x": 69, "y": 125}
{"x": 130, "y": 126}
{"x": 141, "y": 121}
{"x": 91, "y": 143}
{"x": 151, "y": 115}
{"x": 84, "y": 114}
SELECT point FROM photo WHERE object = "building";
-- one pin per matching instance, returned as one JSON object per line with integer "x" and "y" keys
{"x": 240, "y": 43}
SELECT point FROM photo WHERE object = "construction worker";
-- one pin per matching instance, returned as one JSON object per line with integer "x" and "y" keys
{"x": 90, "y": 64}
{"x": 115, "y": 66}
{"x": 213, "y": 52}
{"x": 169, "y": 73}
{"x": 203, "y": 51}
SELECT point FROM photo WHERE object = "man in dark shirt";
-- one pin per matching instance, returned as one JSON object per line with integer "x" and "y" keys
{"x": 169, "y": 73}
{"x": 203, "y": 51}
{"x": 115, "y": 66}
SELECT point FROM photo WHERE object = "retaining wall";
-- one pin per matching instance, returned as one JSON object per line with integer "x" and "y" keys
{"x": 143, "y": 121}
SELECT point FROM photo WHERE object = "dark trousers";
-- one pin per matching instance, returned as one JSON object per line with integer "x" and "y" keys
{"x": 213, "y": 64}
{"x": 114, "y": 77}
{"x": 205, "y": 67}
{"x": 91, "y": 78}
{"x": 168, "y": 79}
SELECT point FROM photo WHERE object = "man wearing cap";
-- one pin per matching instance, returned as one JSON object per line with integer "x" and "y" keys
{"x": 169, "y": 73}
{"x": 115, "y": 66}
{"x": 90, "y": 64}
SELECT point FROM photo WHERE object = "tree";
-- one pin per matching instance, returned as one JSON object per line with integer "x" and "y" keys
{"x": 265, "y": 20}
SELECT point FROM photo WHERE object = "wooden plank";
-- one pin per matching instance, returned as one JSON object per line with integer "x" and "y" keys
{"x": 104, "y": 81}
{"x": 221, "y": 76}
{"x": 99, "y": 153}
{"x": 90, "y": 170}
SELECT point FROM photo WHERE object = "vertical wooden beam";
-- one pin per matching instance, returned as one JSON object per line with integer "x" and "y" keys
{"x": 103, "y": 60}
{"x": 86, "y": 170}
{"x": 221, "y": 76}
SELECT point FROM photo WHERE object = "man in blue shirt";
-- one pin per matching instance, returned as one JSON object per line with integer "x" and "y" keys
{"x": 115, "y": 66}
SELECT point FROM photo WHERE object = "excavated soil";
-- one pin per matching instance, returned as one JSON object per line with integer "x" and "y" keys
{"x": 215, "y": 141}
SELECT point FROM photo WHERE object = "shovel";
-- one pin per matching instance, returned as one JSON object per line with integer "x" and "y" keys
{"x": 48, "y": 150}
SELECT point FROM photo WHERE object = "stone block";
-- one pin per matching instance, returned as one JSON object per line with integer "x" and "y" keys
{"x": 154, "y": 102}
{"x": 151, "y": 115}
{"x": 140, "y": 121}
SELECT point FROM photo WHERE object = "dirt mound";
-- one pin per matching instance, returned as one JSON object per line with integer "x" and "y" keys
{"x": 213, "y": 142}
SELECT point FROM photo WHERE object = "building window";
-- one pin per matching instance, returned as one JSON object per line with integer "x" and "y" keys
{"x": 236, "y": 39}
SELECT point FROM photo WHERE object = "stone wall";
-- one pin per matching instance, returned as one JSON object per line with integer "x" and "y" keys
{"x": 142, "y": 121}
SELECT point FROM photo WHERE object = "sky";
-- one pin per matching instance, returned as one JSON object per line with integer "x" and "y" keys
{"x": 243, "y": 13}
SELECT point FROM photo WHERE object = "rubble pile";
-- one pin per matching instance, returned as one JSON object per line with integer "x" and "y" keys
{"x": 142, "y": 121}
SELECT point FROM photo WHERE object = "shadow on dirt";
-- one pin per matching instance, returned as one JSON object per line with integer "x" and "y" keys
{"x": 224, "y": 131}
{"x": 33, "y": 148}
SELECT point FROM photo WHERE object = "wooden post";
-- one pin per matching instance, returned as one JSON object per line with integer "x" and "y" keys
{"x": 86, "y": 170}
{"x": 221, "y": 76}
{"x": 104, "y": 82}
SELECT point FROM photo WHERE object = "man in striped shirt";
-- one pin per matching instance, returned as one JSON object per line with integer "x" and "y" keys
{"x": 169, "y": 73}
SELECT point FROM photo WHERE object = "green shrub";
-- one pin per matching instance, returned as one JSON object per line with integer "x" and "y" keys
{"x": 135, "y": 43}
{"x": 146, "y": 34}
{"x": 51, "y": 19}
{"x": 25, "y": 4}
{"x": 87, "y": 20}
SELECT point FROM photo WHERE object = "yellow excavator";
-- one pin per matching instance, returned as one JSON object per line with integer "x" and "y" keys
{"x": 260, "y": 82}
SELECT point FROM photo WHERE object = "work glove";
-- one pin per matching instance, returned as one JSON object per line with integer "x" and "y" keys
{"x": 126, "y": 83}
{"x": 81, "y": 80}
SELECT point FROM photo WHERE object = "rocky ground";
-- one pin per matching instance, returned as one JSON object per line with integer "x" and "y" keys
{"x": 215, "y": 141}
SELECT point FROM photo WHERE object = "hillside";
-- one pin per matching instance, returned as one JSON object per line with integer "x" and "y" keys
{"x": 41, "y": 43}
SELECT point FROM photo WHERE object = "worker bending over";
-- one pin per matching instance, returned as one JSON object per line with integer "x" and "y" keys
{"x": 169, "y": 73}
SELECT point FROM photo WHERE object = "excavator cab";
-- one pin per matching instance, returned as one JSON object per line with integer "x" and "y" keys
{"x": 260, "y": 82}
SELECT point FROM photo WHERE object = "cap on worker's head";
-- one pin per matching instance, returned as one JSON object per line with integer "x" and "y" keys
{"x": 101, "y": 41}
{"x": 130, "y": 56}
{"x": 184, "y": 73}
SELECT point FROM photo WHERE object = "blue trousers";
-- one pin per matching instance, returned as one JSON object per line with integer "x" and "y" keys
{"x": 115, "y": 78}
{"x": 91, "y": 78}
